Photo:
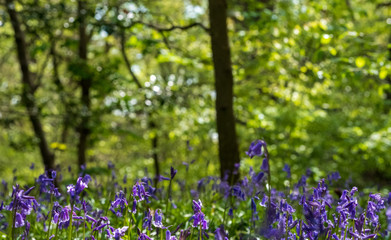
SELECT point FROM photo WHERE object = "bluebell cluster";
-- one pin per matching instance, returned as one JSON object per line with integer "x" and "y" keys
{"x": 212, "y": 208}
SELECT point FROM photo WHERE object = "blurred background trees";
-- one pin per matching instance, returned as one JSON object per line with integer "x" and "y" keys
{"x": 132, "y": 82}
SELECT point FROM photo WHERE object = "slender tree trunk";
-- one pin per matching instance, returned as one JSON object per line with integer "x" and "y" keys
{"x": 85, "y": 84}
{"x": 29, "y": 87}
{"x": 61, "y": 90}
{"x": 388, "y": 80}
{"x": 155, "y": 156}
{"x": 228, "y": 147}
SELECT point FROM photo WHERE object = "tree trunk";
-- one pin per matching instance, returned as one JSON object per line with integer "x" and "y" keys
{"x": 155, "y": 156}
{"x": 388, "y": 80}
{"x": 228, "y": 146}
{"x": 85, "y": 84}
{"x": 29, "y": 87}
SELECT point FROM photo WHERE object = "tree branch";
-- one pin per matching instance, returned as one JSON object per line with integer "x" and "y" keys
{"x": 127, "y": 62}
{"x": 173, "y": 27}
{"x": 385, "y": 4}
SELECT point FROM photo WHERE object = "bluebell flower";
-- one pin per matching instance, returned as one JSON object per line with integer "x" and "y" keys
{"x": 110, "y": 165}
{"x": 100, "y": 224}
{"x": 81, "y": 184}
{"x": 46, "y": 184}
{"x": 287, "y": 169}
{"x": 231, "y": 213}
{"x": 125, "y": 179}
{"x": 169, "y": 236}
{"x": 119, "y": 201}
{"x": 116, "y": 234}
{"x": 253, "y": 206}
{"x": 265, "y": 165}
{"x": 264, "y": 200}
{"x": 64, "y": 215}
{"x": 258, "y": 178}
{"x": 26, "y": 231}
{"x": 220, "y": 233}
{"x": 255, "y": 148}
{"x": 237, "y": 192}
{"x": 334, "y": 176}
{"x": 162, "y": 178}
{"x": 147, "y": 220}
{"x": 184, "y": 234}
{"x": 173, "y": 172}
{"x": 22, "y": 204}
{"x": 158, "y": 219}
{"x": 143, "y": 236}
{"x": 19, "y": 220}
{"x": 139, "y": 192}
{"x": 199, "y": 216}
{"x": 194, "y": 193}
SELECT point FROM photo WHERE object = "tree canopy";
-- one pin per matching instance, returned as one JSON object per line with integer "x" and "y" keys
{"x": 133, "y": 82}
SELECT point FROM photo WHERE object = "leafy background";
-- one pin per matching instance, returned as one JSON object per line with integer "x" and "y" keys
{"x": 312, "y": 78}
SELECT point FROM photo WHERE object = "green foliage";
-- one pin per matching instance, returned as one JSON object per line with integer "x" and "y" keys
{"x": 311, "y": 77}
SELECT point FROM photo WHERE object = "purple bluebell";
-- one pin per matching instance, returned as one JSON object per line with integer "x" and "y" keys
{"x": 265, "y": 165}
{"x": 75, "y": 190}
{"x": 231, "y": 213}
{"x": 143, "y": 236}
{"x": 110, "y": 165}
{"x": 199, "y": 216}
{"x": 334, "y": 176}
{"x": 253, "y": 206}
{"x": 255, "y": 148}
{"x": 139, "y": 192}
{"x": 287, "y": 169}
{"x": 169, "y": 236}
{"x": 116, "y": 234}
{"x": 119, "y": 202}
{"x": 101, "y": 223}
{"x": 162, "y": 178}
{"x": 258, "y": 178}
{"x": 46, "y": 184}
{"x": 158, "y": 219}
{"x": 22, "y": 204}
{"x": 264, "y": 200}
{"x": 173, "y": 172}
{"x": 147, "y": 222}
{"x": 220, "y": 233}
{"x": 237, "y": 192}
{"x": 125, "y": 179}
{"x": 184, "y": 234}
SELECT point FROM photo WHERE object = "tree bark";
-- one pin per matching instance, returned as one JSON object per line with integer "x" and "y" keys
{"x": 228, "y": 146}
{"x": 29, "y": 87}
{"x": 85, "y": 84}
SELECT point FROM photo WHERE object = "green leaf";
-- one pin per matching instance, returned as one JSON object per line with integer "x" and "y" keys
{"x": 360, "y": 62}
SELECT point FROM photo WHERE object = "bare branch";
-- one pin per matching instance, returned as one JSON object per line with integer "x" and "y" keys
{"x": 385, "y": 4}
{"x": 173, "y": 27}
{"x": 127, "y": 62}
